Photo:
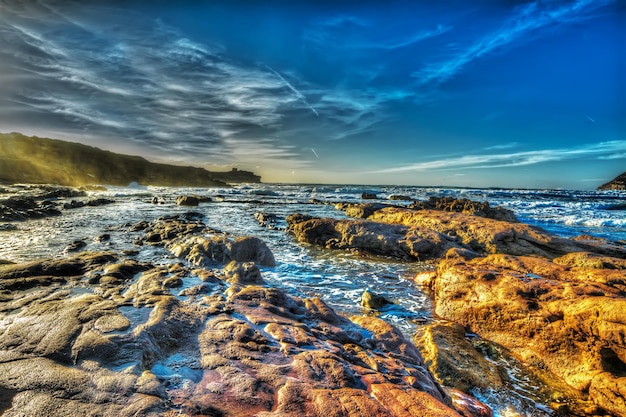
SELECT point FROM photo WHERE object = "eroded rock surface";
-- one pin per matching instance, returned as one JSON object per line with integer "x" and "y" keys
{"x": 465, "y": 206}
{"x": 486, "y": 235}
{"x": 186, "y": 236}
{"x": 97, "y": 334}
{"x": 397, "y": 241}
{"x": 567, "y": 317}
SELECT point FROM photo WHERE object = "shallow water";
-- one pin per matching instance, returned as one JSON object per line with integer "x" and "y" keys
{"x": 337, "y": 277}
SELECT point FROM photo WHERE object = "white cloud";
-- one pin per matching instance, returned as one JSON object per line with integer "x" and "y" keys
{"x": 601, "y": 150}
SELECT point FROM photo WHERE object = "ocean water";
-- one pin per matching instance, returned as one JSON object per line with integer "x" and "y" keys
{"x": 337, "y": 277}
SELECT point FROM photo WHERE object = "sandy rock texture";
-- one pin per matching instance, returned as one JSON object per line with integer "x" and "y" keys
{"x": 566, "y": 316}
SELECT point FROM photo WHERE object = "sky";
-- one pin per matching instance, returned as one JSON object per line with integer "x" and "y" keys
{"x": 527, "y": 94}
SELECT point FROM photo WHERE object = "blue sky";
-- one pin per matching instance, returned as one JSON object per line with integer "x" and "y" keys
{"x": 482, "y": 93}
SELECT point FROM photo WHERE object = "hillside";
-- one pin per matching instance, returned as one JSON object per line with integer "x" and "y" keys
{"x": 25, "y": 159}
{"x": 618, "y": 183}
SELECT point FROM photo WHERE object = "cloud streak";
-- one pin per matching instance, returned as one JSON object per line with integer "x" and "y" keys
{"x": 295, "y": 91}
{"x": 527, "y": 20}
{"x": 603, "y": 150}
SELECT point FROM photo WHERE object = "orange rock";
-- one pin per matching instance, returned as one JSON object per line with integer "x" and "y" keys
{"x": 409, "y": 403}
{"x": 553, "y": 316}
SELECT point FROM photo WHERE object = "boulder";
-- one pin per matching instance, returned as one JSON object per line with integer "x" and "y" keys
{"x": 187, "y": 200}
{"x": 454, "y": 361}
{"x": 266, "y": 219}
{"x": 373, "y": 301}
{"x": 369, "y": 196}
{"x": 187, "y": 237}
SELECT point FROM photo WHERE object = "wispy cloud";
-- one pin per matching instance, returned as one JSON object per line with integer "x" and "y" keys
{"x": 502, "y": 146}
{"x": 295, "y": 91}
{"x": 147, "y": 83}
{"x": 527, "y": 20}
{"x": 601, "y": 150}
{"x": 353, "y": 34}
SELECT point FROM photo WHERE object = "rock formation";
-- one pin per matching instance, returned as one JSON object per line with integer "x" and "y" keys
{"x": 97, "y": 334}
{"x": 617, "y": 183}
{"x": 396, "y": 241}
{"x": 427, "y": 234}
{"x": 557, "y": 304}
{"x": 566, "y": 316}
{"x": 25, "y": 159}
{"x": 465, "y": 206}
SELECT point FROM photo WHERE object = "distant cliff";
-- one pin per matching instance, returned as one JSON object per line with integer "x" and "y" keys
{"x": 25, "y": 159}
{"x": 618, "y": 183}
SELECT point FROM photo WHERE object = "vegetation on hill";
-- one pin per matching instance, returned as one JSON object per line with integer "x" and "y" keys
{"x": 25, "y": 159}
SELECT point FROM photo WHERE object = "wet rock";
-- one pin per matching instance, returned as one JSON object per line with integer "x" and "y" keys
{"x": 400, "y": 197}
{"x": 396, "y": 241}
{"x": 187, "y": 201}
{"x": 465, "y": 206}
{"x": 75, "y": 246}
{"x": 467, "y": 405}
{"x": 250, "y": 249}
{"x": 373, "y": 301}
{"x": 369, "y": 196}
{"x": 266, "y": 219}
{"x": 363, "y": 211}
{"x": 484, "y": 235}
{"x": 454, "y": 361}
{"x": 243, "y": 273}
{"x": 105, "y": 237}
{"x": 167, "y": 228}
{"x": 74, "y": 204}
{"x": 7, "y": 227}
{"x": 568, "y": 320}
{"x": 196, "y": 290}
{"x": 250, "y": 350}
{"x": 192, "y": 240}
{"x": 19, "y": 208}
{"x": 77, "y": 265}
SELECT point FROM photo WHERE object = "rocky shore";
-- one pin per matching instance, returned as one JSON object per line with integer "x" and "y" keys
{"x": 203, "y": 334}
{"x": 556, "y": 304}
{"x": 100, "y": 334}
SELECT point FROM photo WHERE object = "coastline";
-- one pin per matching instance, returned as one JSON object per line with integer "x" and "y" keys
{"x": 251, "y": 201}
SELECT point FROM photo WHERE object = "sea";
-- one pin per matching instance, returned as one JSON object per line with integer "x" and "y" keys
{"x": 338, "y": 277}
